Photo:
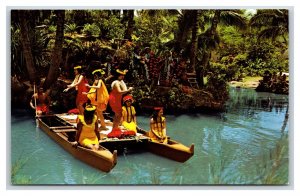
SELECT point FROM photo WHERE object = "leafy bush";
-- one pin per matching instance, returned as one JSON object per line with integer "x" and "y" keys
{"x": 91, "y": 29}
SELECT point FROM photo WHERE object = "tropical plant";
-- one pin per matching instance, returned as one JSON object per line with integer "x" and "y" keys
{"x": 57, "y": 50}
{"x": 272, "y": 23}
{"x": 209, "y": 40}
{"x": 71, "y": 28}
{"x": 156, "y": 27}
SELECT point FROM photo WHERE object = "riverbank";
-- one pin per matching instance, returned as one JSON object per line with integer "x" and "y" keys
{"x": 247, "y": 82}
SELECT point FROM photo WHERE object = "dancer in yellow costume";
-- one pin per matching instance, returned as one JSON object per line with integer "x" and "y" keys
{"x": 87, "y": 134}
{"x": 128, "y": 114}
{"x": 98, "y": 95}
{"x": 158, "y": 126}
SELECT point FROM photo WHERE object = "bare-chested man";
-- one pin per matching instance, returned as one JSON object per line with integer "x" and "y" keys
{"x": 42, "y": 102}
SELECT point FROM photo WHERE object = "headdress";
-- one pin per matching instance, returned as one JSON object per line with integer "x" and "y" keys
{"x": 98, "y": 70}
{"x": 127, "y": 98}
{"x": 77, "y": 67}
{"x": 158, "y": 108}
{"x": 90, "y": 108}
{"x": 122, "y": 72}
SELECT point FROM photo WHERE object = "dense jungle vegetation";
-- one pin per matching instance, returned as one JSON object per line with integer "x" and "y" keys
{"x": 181, "y": 59}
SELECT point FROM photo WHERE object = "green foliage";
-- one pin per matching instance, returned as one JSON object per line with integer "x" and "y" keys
{"x": 52, "y": 29}
{"x": 71, "y": 28}
{"x": 233, "y": 42}
{"x": 91, "y": 30}
{"x": 272, "y": 24}
{"x": 273, "y": 168}
{"x": 40, "y": 39}
{"x": 111, "y": 27}
{"x": 236, "y": 53}
{"x": 251, "y": 55}
{"x": 156, "y": 28}
{"x": 16, "y": 167}
{"x": 219, "y": 75}
{"x": 16, "y": 177}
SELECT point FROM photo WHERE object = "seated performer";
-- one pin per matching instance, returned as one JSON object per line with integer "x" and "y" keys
{"x": 87, "y": 134}
{"x": 158, "y": 126}
{"x": 128, "y": 114}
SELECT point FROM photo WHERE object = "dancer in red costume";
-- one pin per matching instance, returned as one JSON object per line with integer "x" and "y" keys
{"x": 119, "y": 88}
{"x": 80, "y": 85}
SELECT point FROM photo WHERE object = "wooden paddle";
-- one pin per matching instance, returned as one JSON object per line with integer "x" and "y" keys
{"x": 36, "y": 120}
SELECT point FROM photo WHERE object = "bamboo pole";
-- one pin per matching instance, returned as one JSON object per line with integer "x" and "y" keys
{"x": 36, "y": 115}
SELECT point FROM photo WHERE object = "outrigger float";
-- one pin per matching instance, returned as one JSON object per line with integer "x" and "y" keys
{"x": 62, "y": 129}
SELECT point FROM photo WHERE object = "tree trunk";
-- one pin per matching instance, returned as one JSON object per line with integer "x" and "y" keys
{"x": 207, "y": 54}
{"x": 183, "y": 31}
{"x": 201, "y": 70}
{"x": 57, "y": 51}
{"x": 130, "y": 25}
{"x": 215, "y": 22}
{"x": 194, "y": 42}
{"x": 26, "y": 46}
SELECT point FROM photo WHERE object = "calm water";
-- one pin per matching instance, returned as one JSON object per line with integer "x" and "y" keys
{"x": 247, "y": 144}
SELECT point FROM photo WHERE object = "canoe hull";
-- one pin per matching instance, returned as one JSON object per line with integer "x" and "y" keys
{"x": 173, "y": 150}
{"x": 127, "y": 145}
{"x": 102, "y": 159}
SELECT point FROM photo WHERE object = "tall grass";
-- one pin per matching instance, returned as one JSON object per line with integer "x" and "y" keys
{"x": 16, "y": 168}
{"x": 275, "y": 170}
{"x": 274, "y": 167}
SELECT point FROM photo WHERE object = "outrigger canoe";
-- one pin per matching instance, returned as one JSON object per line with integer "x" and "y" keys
{"x": 62, "y": 132}
{"x": 62, "y": 129}
{"x": 172, "y": 150}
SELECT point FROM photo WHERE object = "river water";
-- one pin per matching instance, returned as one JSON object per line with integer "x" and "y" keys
{"x": 245, "y": 145}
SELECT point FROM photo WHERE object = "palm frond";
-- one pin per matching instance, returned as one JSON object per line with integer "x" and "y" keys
{"x": 272, "y": 32}
{"x": 207, "y": 41}
{"x": 273, "y": 23}
{"x": 233, "y": 18}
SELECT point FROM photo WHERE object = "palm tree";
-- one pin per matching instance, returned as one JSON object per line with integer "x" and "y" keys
{"x": 189, "y": 24}
{"x": 72, "y": 46}
{"x": 57, "y": 51}
{"x": 272, "y": 24}
{"x": 160, "y": 27}
{"x": 184, "y": 27}
{"x": 194, "y": 41}
{"x": 209, "y": 40}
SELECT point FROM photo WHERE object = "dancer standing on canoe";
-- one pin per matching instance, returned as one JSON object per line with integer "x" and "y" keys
{"x": 80, "y": 85}
{"x": 158, "y": 126}
{"x": 119, "y": 88}
{"x": 87, "y": 134}
{"x": 98, "y": 95}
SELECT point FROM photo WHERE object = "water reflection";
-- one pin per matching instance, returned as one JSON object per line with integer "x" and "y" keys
{"x": 250, "y": 99}
{"x": 247, "y": 144}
